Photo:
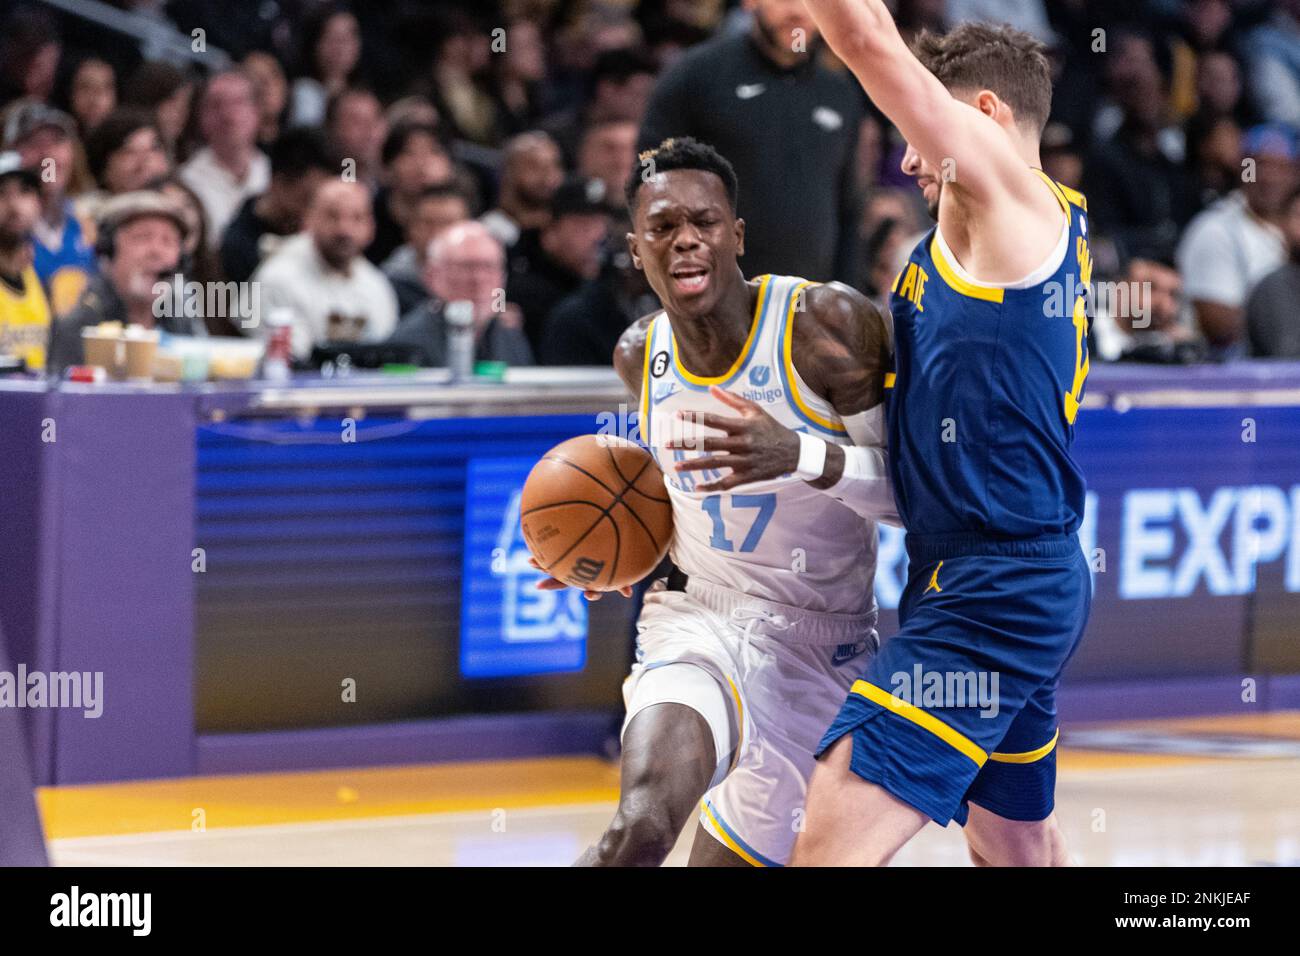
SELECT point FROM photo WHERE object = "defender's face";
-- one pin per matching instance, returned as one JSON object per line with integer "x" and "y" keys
{"x": 928, "y": 179}
{"x": 686, "y": 239}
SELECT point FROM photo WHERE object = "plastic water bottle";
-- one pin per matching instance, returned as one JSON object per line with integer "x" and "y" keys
{"x": 275, "y": 362}
{"x": 460, "y": 340}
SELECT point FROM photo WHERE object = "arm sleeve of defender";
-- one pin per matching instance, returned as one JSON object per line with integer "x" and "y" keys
{"x": 865, "y": 486}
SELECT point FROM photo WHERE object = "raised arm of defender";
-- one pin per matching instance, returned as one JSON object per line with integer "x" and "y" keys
{"x": 960, "y": 140}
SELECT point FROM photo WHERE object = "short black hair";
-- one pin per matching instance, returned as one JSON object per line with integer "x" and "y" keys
{"x": 683, "y": 152}
{"x": 112, "y": 133}
{"x": 447, "y": 190}
{"x": 302, "y": 149}
{"x": 333, "y": 103}
{"x": 400, "y": 136}
{"x": 621, "y": 64}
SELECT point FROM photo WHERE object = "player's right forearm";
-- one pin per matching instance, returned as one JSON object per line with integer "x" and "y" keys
{"x": 855, "y": 476}
{"x": 855, "y": 29}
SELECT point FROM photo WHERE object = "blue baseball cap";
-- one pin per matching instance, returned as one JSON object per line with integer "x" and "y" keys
{"x": 1270, "y": 139}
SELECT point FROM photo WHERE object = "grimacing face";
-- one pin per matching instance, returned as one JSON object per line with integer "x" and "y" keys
{"x": 686, "y": 238}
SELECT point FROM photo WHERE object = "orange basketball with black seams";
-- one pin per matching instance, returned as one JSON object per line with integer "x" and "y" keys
{"x": 595, "y": 513}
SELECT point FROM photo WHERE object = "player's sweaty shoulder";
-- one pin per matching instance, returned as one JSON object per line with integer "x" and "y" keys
{"x": 629, "y": 354}
{"x": 841, "y": 347}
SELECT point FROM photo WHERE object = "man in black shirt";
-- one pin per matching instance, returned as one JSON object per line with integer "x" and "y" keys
{"x": 550, "y": 263}
{"x": 584, "y": 328}
{"x": 301, "y": 160}
{"x": 790, "y": 127}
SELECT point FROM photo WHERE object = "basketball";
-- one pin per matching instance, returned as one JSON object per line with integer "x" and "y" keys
{"x": 595, "y": 514}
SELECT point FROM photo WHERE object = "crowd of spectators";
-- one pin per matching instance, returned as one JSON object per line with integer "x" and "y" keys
{"x": 367, "y": 164}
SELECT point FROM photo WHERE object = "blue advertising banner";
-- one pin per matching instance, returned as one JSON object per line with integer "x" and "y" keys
{"x": 508, "y": 627}
{"x": 1192, "y": 531}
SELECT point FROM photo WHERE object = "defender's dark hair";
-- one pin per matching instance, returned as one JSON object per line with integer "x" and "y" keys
{"x": 301, "y": 150}
{"x": 683, "y": 152}
{"x": 977, "y": 56}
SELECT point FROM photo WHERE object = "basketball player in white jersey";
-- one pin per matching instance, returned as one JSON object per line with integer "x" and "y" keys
{"x": 746, "y": 651}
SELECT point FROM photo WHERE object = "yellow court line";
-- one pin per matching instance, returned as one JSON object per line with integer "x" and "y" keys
{"x": 323, "y": 795}
{"x": 259, "y": 799}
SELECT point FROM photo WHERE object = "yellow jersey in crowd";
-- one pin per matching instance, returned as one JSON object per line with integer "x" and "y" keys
{"x": 24, "y": 319}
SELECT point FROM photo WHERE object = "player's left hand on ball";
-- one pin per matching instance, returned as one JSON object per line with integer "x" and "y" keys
{"x": 755, "y": 446}
{"x": 555, "y": 584}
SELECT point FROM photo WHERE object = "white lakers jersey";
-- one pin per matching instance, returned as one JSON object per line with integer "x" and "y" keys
{"x": 780, "y": 540}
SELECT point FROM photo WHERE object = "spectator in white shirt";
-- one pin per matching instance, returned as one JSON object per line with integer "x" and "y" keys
{"x": 229, "y": 168}
{"x": 1237, "y": 241}
{"x": 333, "y": 292}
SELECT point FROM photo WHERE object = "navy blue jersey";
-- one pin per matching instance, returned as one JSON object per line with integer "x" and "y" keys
{"x": 986, "y": 390}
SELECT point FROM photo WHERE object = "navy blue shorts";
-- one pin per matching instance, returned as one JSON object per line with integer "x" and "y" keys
{"x": 960, "y": 705}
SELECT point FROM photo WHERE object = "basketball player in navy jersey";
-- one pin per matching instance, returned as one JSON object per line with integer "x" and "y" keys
{"x": 761, "y": 400}
{"x": 989, "y": 373}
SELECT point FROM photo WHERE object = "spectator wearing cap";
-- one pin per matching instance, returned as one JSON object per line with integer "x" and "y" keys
{"x": 414, "y": 158}
{"x": 229, "y": 167}
{"x": 788, "y": 124}
{"x": 1272, "y": 315}
{"x": 24, "y": 311}
{"x": 465, "y": 263}
{"x": 584, "y": 328}
{"x": 125, "y": 154}
{"x": 45, "y": 138}
{"x": 552, "y": 262}
{"x": 1232, "y": 245}
{"x": 140, "y": 242}
{"x": 300, "y": 161}
{"x": 332, "y": 292}
{"x": 439, "y": 207}
{"x": 532, "y": 170}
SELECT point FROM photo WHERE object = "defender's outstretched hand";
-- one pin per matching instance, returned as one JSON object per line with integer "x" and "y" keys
{"x": 755, "y": 446}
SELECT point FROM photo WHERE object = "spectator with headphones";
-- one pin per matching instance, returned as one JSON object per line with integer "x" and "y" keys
{"x": 140, "y": 243}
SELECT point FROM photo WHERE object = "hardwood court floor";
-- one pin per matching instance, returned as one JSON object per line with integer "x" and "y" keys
{"x": 1219, "y": 791}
